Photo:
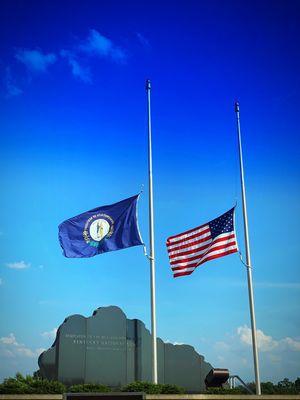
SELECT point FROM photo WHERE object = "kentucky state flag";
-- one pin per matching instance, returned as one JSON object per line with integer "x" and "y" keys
{"x": 102, "y": 229}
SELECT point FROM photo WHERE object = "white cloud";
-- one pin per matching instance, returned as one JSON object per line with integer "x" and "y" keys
{"x": 18, "y": 265}
{"x": 50, "y": 334}
{"x": 221, "y": 346}
{"x": 35, "y": 60}
{"x": 278, "y": 357}
{"x": 291, "y": 343}
{"x": 94, "y": 45}
{"x": 40, "y": 350}
{"x": 10, "y": 339}
{"x": 99, "y": 45}
{"x": 11, "y": 348}
{"x": 265, "y": 342}
{"x": 77, "y": 56}
{"x": 79, "y": 71}
{"x": 26, "y": 352}
{"x": 11, "y": 88}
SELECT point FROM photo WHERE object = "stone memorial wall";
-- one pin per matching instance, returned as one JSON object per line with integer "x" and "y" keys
{"x": 110, "y": 349}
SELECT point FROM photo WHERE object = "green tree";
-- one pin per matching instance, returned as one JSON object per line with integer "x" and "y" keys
{"x": 146, "y": 387}
{"x": 152, "y": 388}
{"x": 268, "y": 388}
{"x": 286, "y": 386}
{"x": 89, "y": 387}
{"x": 171, "y": 389}
{"x": 30, "y": 384}
{"x": 297, "y": 385}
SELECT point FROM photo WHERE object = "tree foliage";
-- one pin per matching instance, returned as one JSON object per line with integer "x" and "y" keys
{"x": 152, "y": 388}
{"x": 89, "y": 387}
{"x": 282, "y": 387}
{"x": 36, "y": 385}
{"x": 30, "y": 384}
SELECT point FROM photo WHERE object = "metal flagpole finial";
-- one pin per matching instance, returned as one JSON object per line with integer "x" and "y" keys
{"x": 237, "y": 106}
{"x": 148, "y": 84}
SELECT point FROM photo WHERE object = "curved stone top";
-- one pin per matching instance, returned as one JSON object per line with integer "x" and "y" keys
{"x": 98, "y": 313}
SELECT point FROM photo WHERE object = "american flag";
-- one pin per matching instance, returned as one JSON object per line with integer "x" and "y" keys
{"x": 192, "y": 248}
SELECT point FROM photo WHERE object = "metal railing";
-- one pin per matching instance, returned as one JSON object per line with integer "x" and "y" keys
{"x": 231, "y": 381}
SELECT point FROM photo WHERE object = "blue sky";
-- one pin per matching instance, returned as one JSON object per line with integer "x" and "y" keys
{"x": 74, "y": 137}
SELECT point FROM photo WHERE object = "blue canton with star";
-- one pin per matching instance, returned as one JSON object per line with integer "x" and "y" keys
{"x": 222, "y": 224}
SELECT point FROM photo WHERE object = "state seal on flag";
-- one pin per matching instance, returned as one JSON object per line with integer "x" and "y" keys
{"x": 97, "y": 228}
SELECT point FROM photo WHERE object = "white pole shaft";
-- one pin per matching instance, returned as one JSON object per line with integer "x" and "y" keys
{"x": 151, "y": 234}
{"x": 248, "y": 257}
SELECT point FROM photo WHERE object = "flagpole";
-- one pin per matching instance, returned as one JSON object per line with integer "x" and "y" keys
{"x": 151, "y": 234}
{"x": 248, "y": 257}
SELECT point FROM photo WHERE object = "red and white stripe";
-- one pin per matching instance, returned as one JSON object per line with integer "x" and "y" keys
{"x": 192, "y": 248}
